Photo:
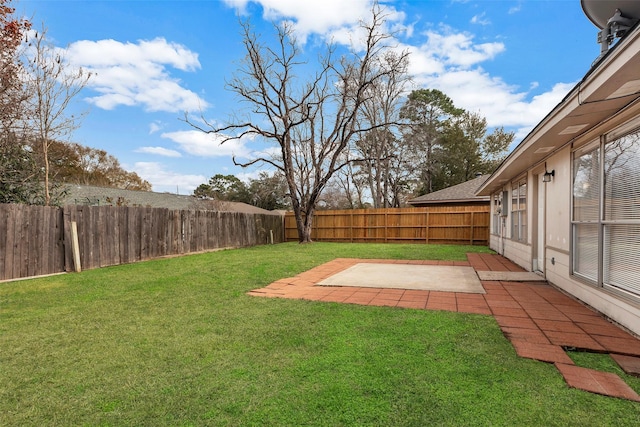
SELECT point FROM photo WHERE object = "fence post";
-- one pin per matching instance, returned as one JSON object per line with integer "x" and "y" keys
{"x": 75, "y": 247}
{"x": 66, "y": 233}
{"x": 426, "y": 225}
{"x": 386, "y": 226}
{"x": 351, "y": 227}
{"x": 471, "y": 226}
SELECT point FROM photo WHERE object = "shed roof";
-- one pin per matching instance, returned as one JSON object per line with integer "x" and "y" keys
{"x": 92, "y": 195}
{"x": 465, "y": 192}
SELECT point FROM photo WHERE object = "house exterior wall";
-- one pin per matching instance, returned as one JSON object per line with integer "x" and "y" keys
{"x": 558, "y": 203}
{"x": 556, "y": 239}
{"x": 519, "y": 253}
{"x": 624, "y": 312}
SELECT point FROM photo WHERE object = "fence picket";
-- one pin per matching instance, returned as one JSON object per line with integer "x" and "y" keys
{"x": 32, "y": 238}
{"x": 455, "y": 225}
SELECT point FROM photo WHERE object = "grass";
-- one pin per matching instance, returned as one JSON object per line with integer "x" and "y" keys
{"x": 178, "y": 342}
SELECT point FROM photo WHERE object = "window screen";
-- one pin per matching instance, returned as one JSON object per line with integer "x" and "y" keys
{"x": 622, "y": 179}
{"x": 586, "y": 185}
{"x": 519, "y": 210}
{"x": 497, "y": 213}
{"x": 606, "y": 217}
{"x": 622, "y": 257}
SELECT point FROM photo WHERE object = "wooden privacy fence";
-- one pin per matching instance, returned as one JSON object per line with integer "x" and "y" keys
{"x": 453, "y": 225}
{"x": 37, "y": 240}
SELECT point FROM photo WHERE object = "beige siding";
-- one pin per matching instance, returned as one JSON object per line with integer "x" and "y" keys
{"x": 558, "y": 201}
{"x": 557, "y": 225}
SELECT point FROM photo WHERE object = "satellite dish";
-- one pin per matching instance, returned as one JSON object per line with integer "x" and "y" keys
{"x": 613, "y": 17}
{"x": 601, "y": 11}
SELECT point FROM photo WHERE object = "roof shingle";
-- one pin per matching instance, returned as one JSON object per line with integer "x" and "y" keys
{"x": 465, "y": 192}
{"x": 92, "y": 195}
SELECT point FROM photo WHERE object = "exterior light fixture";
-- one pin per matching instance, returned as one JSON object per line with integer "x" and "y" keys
{"x": 548, "y": 175}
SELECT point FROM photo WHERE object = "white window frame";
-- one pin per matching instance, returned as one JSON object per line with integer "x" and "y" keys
{"x": 519, "y": 210}
{"x": 592, "y": 245}
{"x": 497, "y": 211}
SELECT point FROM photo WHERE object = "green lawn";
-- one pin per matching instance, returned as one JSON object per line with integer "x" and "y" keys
{"x": 178, "y": 342}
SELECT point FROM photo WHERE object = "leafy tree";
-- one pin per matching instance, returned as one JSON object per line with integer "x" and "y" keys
{"x": 19, "y": 176}
{"x": 466, "y": 150}
{"x": 73, "y": 163}
{"x": 313, "y": 122}
{"x": 203, "y": 191}
{"x": 266, "y": 192}
{"x": 427, "y": 112}
{"x": 12, "y": 93}
{"x": 458, "y": 157}
{"x": 19, "y": 173}
{"x": 224, "y": 187}
{"x": 97, "y": 167}
{"x": 495, "y": 148}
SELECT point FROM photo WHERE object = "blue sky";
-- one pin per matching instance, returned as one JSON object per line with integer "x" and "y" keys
{"x": 510, "y": 61}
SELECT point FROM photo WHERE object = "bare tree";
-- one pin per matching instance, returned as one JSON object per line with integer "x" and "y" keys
{"x": 353, "y": 184}
{"x": 313, "y": 121}
{"x": 52, "y": 83}
{"x": 379, "y": 148}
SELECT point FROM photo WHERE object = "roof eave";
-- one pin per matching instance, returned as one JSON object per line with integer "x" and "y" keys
{"x": 448, "y": 201}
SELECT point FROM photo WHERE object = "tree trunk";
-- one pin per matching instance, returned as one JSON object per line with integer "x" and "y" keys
{"x": 303, "y": 221}
{"x": 45, "y": 153}
{"x": 306, "y": 232}
{"x": 305, "y": 237}
{"x": 303, "y": 225}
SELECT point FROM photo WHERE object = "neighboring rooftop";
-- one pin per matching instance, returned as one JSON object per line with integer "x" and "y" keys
{"x": 464, "y": 193}
{"x": 100, "y": 196}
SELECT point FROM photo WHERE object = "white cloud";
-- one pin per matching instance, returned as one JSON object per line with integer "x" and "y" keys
{"x": 246, "y": 176}
{"x": 207, "y": 145}
{"x": 105, "y": 53}
{"x": 155, "y": 127}
{"x": 160, "y": 151}
{"x": 458, "y": 49}
{"x": 501, "y": 104}
{"x": 311, "y": 16}
{"x": 166, "y": 180}
{"x": 322, "y": 17}
{"x": 136, "y": 74}
{"x": 451, "y": 62}
{"x": 447, "y": 60}
{"x": 515, "y": 9}
{"x": 421, "y": 62}
{"x": 481, "y": 19}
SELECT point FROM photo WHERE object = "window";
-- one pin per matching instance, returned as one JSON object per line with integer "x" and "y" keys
{"x": 606, "y": 213}
{"x": 496, "y": 209}
{"x": 519, "y": 210}
{"x": 586, "y": 208}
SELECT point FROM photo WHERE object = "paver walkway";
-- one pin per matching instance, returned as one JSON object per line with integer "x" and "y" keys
{"x": 540, "y": 321}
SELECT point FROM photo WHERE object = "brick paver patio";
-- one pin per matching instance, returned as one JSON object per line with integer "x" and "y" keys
{"x": 539, "y": 320}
